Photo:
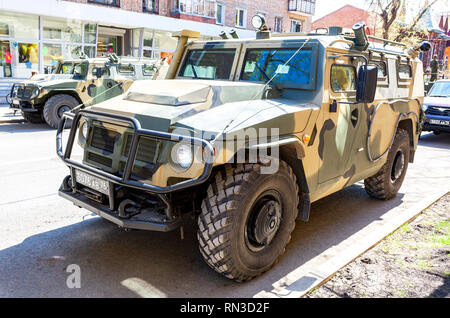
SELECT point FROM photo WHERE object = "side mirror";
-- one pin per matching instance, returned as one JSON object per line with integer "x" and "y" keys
{"x": 367, "y": 84}
{"x": 98, "y": 72}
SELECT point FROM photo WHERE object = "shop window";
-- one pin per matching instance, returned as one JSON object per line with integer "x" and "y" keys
{"x": 90, "y": 33}
{"x": 5, "y": 59}
{"x": 19, "y": 26}
{"x": 115, "y": 3}
{"x": 343, "y": 78}
{"x": 89, "y": 51}
{"x": 63, "y": 30}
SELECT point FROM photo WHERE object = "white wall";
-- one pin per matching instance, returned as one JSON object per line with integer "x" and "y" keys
{"x": 112, "y": 16}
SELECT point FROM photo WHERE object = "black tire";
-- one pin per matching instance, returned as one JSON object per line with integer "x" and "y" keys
{"x": 387, "y": 182}
{"x": 235, "y": 200}
{"x": 55, "y": 107}
{"x": 33, "y": 117}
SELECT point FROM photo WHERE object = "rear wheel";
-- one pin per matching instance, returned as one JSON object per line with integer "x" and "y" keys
{"x": 247, "y": 220}
{"x": 56, "y": 106}
{"x": 33, "y": 117}
{"x": 387, "y": 182}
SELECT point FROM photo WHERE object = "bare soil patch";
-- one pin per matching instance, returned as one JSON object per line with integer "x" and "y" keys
{"x": 414, "y": 261}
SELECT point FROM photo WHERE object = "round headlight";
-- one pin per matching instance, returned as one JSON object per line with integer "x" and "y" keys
{"x": 258, "y": 21}
{"x": 84, "y": 130}
{"x": 184, "y": 156}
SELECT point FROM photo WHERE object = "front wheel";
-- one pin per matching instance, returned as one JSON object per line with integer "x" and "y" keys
{"x": 387, "y": 182}
{"x": 56, "y": 106}
{"x": 247, "y": 219}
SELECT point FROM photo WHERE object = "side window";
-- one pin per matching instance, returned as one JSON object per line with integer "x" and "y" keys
{"x": 105, "y": 71}
{"x": 148, "y": 70}
{"x": 382, "y": 68}
{"x": 404, "y": 71}
{"x": 126, "y": 69}
{"x": 343, "y": 78}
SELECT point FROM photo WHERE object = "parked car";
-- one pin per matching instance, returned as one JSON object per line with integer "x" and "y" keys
{"x": 45, "y": 97}
{"x": 244, "y": 134}
{"x": 437, "y": 108}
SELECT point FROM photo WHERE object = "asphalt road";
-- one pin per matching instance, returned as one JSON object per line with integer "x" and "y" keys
{"x": 41, "y": 233}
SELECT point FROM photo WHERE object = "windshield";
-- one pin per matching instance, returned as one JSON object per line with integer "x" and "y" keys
{"x": 208, "y": 64}
{"x": 440, "y": 90}
{"x": 76, "y": 68}
{"x": 287, "y": 66}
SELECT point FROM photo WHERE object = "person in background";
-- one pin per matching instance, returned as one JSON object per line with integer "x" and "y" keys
{"x": 434, "y": 65}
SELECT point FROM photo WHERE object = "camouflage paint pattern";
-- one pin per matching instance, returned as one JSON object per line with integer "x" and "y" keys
{"x": 334, "y": 154}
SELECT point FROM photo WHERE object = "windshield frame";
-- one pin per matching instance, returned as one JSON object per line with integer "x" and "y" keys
{"x": 434, "y": 86}
{"x": 294, "y": 44}
{"x": 217, "y": 45}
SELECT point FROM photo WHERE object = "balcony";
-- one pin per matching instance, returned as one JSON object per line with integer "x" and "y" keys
{"x": 302, "y": 6}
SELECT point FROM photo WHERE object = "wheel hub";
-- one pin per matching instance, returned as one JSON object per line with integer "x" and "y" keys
{"x": 265, "y": 222}
{"x": 62, "y": 109}
{"x": 398, "y": 166}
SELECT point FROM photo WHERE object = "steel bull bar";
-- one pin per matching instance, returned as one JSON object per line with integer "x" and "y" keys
{"x": 110, "y": 213}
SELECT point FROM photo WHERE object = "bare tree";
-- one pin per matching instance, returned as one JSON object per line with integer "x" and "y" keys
{"x": 391, "y": 10}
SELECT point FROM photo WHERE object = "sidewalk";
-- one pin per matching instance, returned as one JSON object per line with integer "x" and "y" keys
{"x": 7, "y": 115}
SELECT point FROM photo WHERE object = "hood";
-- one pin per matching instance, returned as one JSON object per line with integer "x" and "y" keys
{"x": 39, "y": 78}
{"x": 206, "y": 106}
{"x": 437, "y": 101}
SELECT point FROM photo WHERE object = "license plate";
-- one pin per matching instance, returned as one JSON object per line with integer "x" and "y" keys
{"x": 16, "y": 102}
{"x": 92, "y": 182}
{"x": 440, "y": 122}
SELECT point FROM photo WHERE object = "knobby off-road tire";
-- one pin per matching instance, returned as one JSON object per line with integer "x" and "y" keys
{"x": 32, "y": 117}
{"x": 387, "y": 182}
{"x": 55, "y": 107}
{"x": 238, "y": 199}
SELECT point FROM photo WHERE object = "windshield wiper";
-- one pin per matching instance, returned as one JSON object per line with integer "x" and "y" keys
{"x": 194, "y": 71}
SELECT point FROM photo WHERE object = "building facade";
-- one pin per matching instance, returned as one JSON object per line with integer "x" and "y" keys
{"x": 34, "y": 35}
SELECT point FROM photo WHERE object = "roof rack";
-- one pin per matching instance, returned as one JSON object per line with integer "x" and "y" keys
{"x": 386, "y": 42}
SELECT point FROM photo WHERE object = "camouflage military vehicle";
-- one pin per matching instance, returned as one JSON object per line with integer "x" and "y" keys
{"x": 245, "y": 134}
{"x": 74, "y": 82}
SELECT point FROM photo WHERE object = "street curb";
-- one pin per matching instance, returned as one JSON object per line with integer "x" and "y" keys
{"x": 12, "y": 121}
{"x": 303, "y": 282}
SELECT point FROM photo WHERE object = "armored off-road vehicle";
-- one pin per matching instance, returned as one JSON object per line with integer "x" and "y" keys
{"x": 44, "y": 98}
{"x": 244, "y": 134}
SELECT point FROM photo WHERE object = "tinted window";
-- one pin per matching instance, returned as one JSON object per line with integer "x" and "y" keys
{"x": 74, "y": 68}
{"x": 404, "y": 71}
{"x": 281, "y": 66}
{"x": 126, "y": 68}
{"x": 381, "y": 66}
{"x": 343, "y": 78}
{"x": 105, "y": 71}
{"x": 148, "y": 70}
{"x": 208, "y": 64}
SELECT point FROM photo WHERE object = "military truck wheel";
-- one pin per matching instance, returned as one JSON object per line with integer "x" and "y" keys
{"x": 32, "y": 117}
{"x": 387, "y": 182}
{"x": 56, "y": 106}
{"x": 247, "y": 219}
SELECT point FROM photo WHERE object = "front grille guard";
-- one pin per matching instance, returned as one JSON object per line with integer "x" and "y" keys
{"x": 138, "y": 132}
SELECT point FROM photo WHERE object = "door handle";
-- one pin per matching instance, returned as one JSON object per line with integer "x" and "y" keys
{"x": 354, "y": 117}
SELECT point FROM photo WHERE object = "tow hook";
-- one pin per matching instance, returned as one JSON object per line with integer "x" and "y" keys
{"x": 128, "y": 208}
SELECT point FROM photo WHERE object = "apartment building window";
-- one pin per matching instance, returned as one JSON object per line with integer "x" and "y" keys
{"x": 296, "y": 26}
{"x": 206, "y": 8}
{"x": 114, "y": 3}
{"x": 278, "y": 27}
{"x": 305, "y": 6}
{"x": 220, "y": 13}
{"x": 241, "y": 16}
{"x": 150, "y": 6}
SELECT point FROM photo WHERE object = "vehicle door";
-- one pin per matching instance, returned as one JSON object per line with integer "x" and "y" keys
{"x": 103, "y": 85}
{"x": 340, "y": 118}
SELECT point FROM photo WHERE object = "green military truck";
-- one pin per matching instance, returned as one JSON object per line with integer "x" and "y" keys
{"x": 44, "y": 98}
{"x": 245, "y": 134}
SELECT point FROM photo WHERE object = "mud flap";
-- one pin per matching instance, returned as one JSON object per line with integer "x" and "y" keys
{"x": 304, "y": 207}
